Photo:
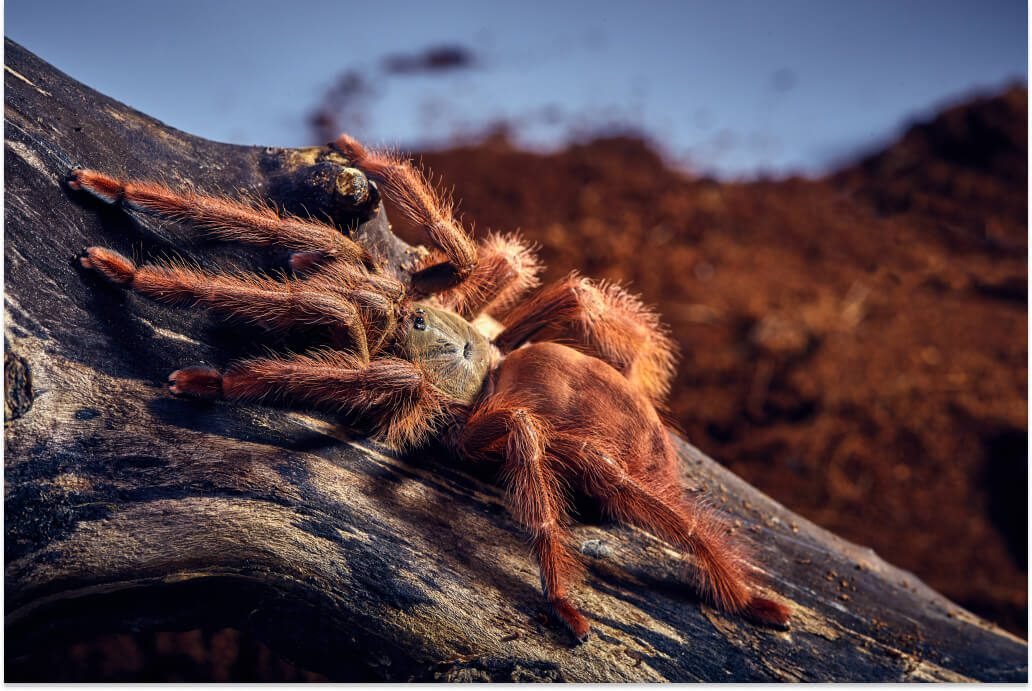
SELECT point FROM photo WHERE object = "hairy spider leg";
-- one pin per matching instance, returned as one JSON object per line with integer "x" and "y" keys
{"x": 469, "y": 279}
{"x": 508, "y": 267}
{"x": 415, "y": 197}
{"x": 724, "y": 576}
{"x": 605, "y": 438}
{"x": 338, "y": 260}
{"x": 394, "y": 394}
{"x": 601, "y": 320}
{"x": 534, "y": 494}
{"x": 224, "y": 219}
{"x": 380, "y": 297}
{"x": 257, "y": 299}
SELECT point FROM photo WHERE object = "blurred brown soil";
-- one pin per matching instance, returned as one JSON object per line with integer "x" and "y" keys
{"x": 855, "y": 346}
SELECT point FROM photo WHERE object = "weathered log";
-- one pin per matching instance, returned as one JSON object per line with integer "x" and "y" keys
{"x": 129, "y": 510}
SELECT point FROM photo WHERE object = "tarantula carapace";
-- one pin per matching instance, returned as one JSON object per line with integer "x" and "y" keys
{"x": 564, "y": 396}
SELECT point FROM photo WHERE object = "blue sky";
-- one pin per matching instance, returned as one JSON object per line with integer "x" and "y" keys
{"x": 735, "y": 87}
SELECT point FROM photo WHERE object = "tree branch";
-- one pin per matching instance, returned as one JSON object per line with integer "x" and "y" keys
{"x": 127, "y": 509}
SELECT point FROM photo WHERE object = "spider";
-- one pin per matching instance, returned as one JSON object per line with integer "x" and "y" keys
{"x": 565, "y": 395}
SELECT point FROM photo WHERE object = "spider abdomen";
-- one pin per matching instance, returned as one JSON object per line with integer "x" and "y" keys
{"x": 591, "y": 408}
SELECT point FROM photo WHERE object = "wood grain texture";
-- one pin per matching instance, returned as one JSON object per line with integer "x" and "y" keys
{"x": 129, "y": 510}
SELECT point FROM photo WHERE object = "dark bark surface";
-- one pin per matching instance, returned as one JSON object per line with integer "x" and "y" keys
{"x": 129, "y": 510}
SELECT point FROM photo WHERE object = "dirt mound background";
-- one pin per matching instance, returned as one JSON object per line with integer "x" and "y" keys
{"x": 855, "y": 346}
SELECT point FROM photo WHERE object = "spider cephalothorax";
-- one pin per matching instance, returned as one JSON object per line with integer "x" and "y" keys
{"x": 447, "y": 345}
{"x": 564, "y": 395}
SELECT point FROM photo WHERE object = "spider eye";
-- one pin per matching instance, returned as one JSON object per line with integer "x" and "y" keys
{"x": 419, "y": 323}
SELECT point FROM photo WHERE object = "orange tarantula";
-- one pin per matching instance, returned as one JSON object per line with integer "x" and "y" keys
{"x": 406, "y": 357}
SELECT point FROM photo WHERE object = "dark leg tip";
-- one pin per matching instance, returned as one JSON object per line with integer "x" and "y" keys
{"x": 581, "y": 639}
{"x": 196, "y": 382}
{"x": 769, "y": 613}
{"x": 83, "y": 259}
{"x": 574, "y": 620}
{"x": 72, "y": 178}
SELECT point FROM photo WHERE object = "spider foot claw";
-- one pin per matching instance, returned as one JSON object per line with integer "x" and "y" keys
{"x": 72, "y": 178}
{"x": 101, "y": 186}
{"x": 573, "y": 620}
{"x": 196, "y": 382}
{"x": 112, "y": 265}
{"x": 766, "y": 612}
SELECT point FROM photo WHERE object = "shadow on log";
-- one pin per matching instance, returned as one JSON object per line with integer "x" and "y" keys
{"x": 127, "y": 510}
